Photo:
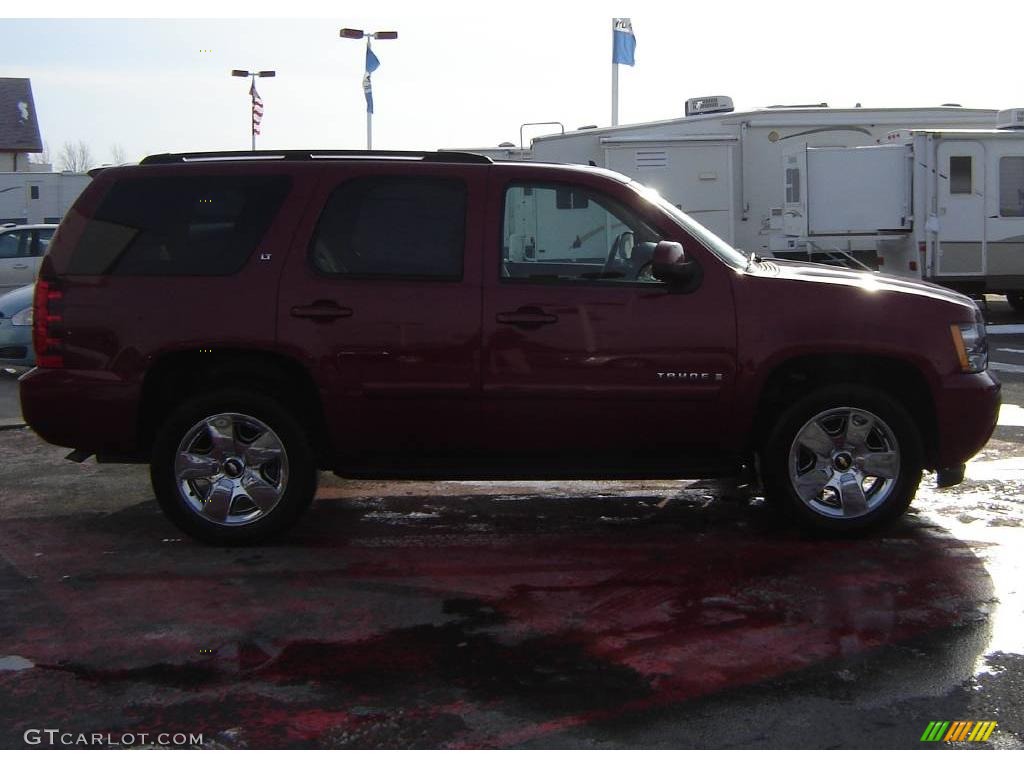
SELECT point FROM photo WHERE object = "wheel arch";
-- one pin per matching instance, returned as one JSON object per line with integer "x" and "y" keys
{"x": 799, "y": 375}
{"x": 178, "y": 376}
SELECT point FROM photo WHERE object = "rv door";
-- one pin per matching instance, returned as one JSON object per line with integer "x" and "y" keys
{"x": 961, "y": 209}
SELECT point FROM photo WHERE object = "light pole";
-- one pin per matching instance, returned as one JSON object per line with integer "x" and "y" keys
{"x": 257, "y": 102}
{"x": 371, "y": 64}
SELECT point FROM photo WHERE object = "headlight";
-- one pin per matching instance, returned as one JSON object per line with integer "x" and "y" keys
{"x": 971, "y": 345}
{"x": 22, "y": 318}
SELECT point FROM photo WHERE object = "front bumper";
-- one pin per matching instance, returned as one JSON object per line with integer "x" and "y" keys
{"x": 967, "y": 409}
{"x": 16, "y": 344}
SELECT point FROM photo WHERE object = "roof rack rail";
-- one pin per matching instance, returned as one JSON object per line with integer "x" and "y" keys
{"x": 315, "y": 154}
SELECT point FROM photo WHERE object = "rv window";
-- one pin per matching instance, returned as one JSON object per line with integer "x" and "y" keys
{"x": 1011, "y": 186}
{"x": 960, "y": 175}
{"x": 34, "y": 192}
{"x": 792, "y": 185}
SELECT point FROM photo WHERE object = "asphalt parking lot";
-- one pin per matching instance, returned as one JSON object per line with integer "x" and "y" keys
{"x": 627, "y": 614}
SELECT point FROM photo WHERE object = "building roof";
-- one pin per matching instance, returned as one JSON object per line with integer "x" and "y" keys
{"x": 19, "y": 129}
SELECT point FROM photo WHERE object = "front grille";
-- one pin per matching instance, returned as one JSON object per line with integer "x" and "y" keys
{"x": 14, "y": 353}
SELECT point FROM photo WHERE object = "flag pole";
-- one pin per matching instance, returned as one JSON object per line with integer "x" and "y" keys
{"x": 369, "y": 112}
{"x": 615, "y": 93}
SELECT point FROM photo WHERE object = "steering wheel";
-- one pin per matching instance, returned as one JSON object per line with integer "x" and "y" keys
{"x": 618, "y": 251}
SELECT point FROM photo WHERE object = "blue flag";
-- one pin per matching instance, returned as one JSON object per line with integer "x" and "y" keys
{"x": 372, "y": 62}
{"x": 623, "y": 42}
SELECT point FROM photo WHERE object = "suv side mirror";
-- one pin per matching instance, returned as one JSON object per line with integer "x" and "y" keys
{"x": 671, "y": 266}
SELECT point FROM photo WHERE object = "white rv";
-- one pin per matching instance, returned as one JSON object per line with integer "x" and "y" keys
{"x": 38, "y": 197}
{"x": 723, "y": 167}
{"x": 943, "y": 204}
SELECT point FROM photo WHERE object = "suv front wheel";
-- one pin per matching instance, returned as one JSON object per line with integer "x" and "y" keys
{"x": 233, "y": 467}
{"x": 843, "y": 459}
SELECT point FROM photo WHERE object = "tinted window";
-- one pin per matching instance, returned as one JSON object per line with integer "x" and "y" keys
{"x": 1011, "y": 186}
{"x": 594, "y": 239}
{"x": 392, "y": 227}
{"x": 960, "y": 175}
{"x": 178, "y": 226}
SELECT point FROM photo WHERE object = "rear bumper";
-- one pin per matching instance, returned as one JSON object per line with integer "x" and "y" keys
{"x": 94, "y": 411}
{"x": 967, "y": 408}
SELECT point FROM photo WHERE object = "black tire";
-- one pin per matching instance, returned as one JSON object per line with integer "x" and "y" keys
{"x": 786, "y": 463}
{"x": 1016, "y": 300}
{"x": 276, "y": 465}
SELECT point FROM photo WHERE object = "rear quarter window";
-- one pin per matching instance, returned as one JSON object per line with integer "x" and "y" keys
{"x": 178, "y": 226}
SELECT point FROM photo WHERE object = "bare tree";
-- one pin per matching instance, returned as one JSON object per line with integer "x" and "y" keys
{"x": 43, "y": 157}
{"x": 76, "y": 158}
{"x": 118, "y": 155}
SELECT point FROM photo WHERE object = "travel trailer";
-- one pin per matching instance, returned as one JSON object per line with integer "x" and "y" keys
{"x": 943, "y": 204}
{"x": 41, "y": 197}
{"x": 723, "y": 167}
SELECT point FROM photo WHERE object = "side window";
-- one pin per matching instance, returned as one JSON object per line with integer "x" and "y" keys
{"x": 960, "y": 182}
{"x": 187, "y": 225}
{"x": 11, "y": 245}
{"x": 1011, "y": 186}
{"x": 393, "y": 226}
{"x": 569, "y": 233}
{"x": 43, "y": 240}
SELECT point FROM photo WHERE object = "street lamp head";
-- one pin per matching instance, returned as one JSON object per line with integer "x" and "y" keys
{"x": 354, "y": 34}
{"x": 239, "y": 73}
{"x": 266, "y": 73}
{"x": 385, "y": 35}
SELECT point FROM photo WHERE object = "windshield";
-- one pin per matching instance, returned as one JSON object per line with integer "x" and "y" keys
{"x": 715, "y": 244}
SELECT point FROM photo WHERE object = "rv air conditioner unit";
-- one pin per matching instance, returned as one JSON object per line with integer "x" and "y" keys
{"x": 708, "y": 105}
{"x": 1011, "y": 118}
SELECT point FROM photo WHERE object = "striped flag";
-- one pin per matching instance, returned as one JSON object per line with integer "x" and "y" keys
{"x": 257, "y": 109}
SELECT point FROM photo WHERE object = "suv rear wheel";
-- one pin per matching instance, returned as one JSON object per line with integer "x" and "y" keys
{"x": 843, "y": 459}
{"x": 233, "y": 467}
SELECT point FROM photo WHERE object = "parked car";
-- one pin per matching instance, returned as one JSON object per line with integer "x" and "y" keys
{"x": 241, "y": 320}
{"x": 21, "y": 252}
{"x": 16, "y": 328}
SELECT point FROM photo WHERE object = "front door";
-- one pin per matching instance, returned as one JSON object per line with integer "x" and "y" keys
{"x": 961, "y": 198}
{"x": 591, "y": 366}
{"x": 381, "y": 298}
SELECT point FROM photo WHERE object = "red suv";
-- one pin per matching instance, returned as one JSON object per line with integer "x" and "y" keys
{"x": 240, "y": 321}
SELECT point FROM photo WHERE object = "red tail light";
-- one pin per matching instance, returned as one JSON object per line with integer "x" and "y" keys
{"x": 47, "y": 320}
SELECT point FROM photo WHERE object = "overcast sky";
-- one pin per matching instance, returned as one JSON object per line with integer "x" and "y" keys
{"x": 469, "y": 74}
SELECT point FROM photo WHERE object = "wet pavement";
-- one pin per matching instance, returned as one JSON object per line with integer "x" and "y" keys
{"x": 630, "y": 614}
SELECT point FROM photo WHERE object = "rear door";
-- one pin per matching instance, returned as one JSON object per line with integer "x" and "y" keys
{"x": 592, "y": 367}
{"x": 381, "y": 299}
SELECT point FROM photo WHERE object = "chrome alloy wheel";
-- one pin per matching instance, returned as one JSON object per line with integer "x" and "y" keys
{"x": 844, "y": 463}
{"x": 231, "y": 469}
